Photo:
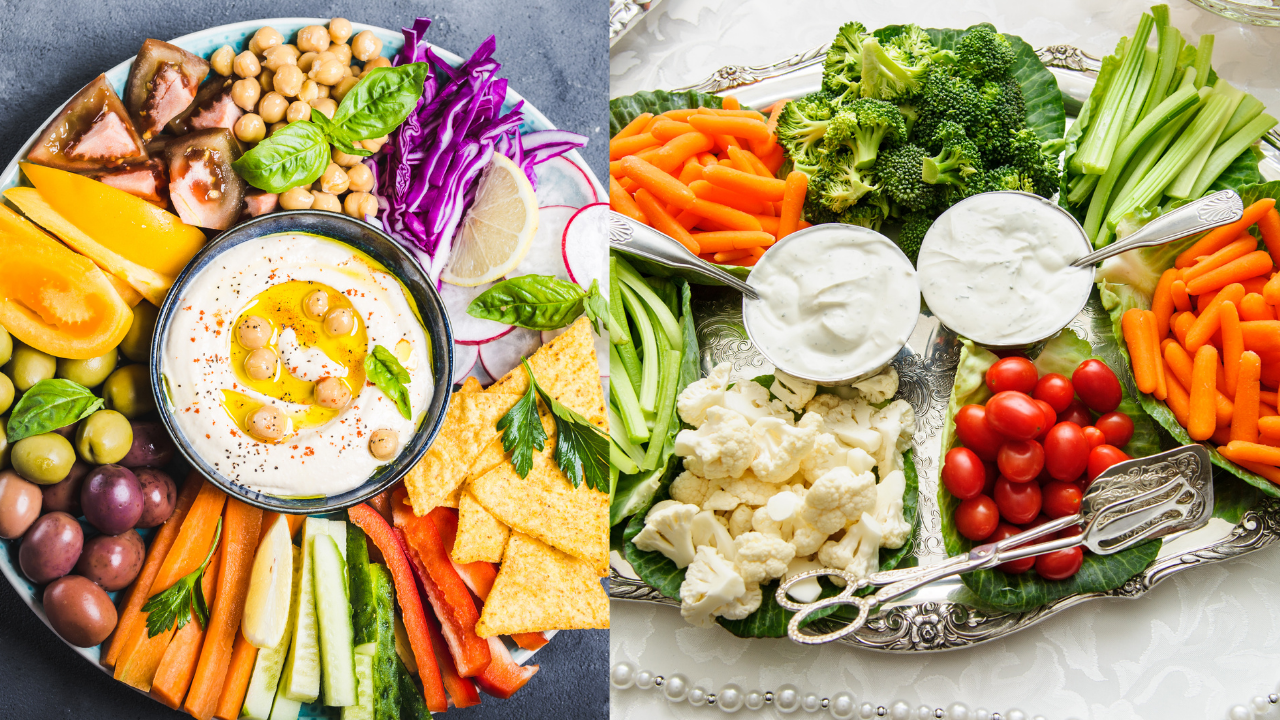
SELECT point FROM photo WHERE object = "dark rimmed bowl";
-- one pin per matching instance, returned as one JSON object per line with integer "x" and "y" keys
{"x": 380, "y": 247}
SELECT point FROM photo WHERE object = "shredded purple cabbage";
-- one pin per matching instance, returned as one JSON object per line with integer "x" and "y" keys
{"x": 425, "y": 176}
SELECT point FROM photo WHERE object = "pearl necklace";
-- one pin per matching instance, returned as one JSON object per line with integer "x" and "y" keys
{"x": 843, "y": 706}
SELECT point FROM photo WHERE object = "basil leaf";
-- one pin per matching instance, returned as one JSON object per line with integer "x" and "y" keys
{"x": 334, "y": 134}
{"x": 49, "y": 405}
{"x": 537, "y": 302}
{"x": 380, "y": 101}
{"x": 294, "y": 155}
{"x": 385, "y": 371}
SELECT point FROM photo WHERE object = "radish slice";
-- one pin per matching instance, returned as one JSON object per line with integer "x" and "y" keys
{"x": 561, "y": 182}
{"x": 545, "y": 255}
{"x": 501, "y": 356}
{"x": 585, "y": 245}
{"x": 464, "y": 359}
{"x": 601, "y": 347}
{"x": 468, "y": 330}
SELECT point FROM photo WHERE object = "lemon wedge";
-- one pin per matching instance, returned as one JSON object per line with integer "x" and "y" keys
{"x": 498, "y": 228}
{"x": 266, "y": 607}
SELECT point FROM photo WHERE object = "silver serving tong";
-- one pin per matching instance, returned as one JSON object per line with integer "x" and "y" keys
{"x": 634, "y": 238}
{"x": 1210, "y": 211}
{"x": 1128, "y": 504}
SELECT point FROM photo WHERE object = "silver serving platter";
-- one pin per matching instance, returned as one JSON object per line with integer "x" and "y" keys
{"x": 941, "y": 616}
{"x": 626, "y": 14}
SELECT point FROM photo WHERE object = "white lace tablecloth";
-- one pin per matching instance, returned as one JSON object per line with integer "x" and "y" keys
{"x": 1198, "y": 644}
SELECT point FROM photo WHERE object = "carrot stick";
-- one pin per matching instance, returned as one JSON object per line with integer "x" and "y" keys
{"x": 706, "y": 191}
{"x": 1162, "y": 302}
{"x": 1271, "y": 291}
{"x": 730, "y": 102}
{"x": 131, "y": 612}
{"x": 732, "y": 240}
{"x": 680, "y": 148}
{"x": 620, "y": 200}
{"x": 1178, "y": 401}
{"x": 739, "y": 127}
{"x": 1244, "y": 421}
{"x": 767, "y": 189}
{"x": 1269, "y": 228}
{"x": 1152, "y": 349}
{"x": 1234, "y": 251}
{"x": 240, "y": 541}
{"x": 619, "y": 149}
{"x": 663, "y": 222}
{"x": 634, "y": 127}
{"x": 1255, "y": 307}
{"x": 1144, "y": 371}
{"x": 173, "y": 675}
{"x": 1239, "y": 270}
{"x": 667, "y": 130}
{"x": 1253, "y": 452}
{"x": 239, "y": 672}
{"x": 725, "y": 215}
{"x": 661, "y": 184}
{"x": 1178, "y": 291}
{"x": 731, "y": 255}
{"x": 1210, "y": 318}
{"x": 1219, "y": 237}
{"x": 774, "y": 113}
{"x": 1202, "y": 418}
{"x": 797, "y": 184}
{"x": 1182, "y": 323}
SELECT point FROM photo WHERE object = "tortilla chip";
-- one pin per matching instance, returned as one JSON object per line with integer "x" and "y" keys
{"x": 494, "y": 455}
{"x": 469, "y": 424}
{"x": 470, "y": 385}
{"x": 540, "y": 588}
{"x": 567, "y": 369}
{"x": 480, "y": 536}
{"x": 546, "y": 506}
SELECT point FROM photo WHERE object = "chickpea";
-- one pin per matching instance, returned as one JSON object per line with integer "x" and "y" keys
{"x": 360, "y": 178}
{"x": 279, "y": 56}
{"x": 267, "y": 423}
{"x": 261, "y": 364}
{"x": 342, "y": 88}
{"x": 316, "y": 304}
{"x": 342, "y": 52}
{"x": 296, "y": 198}
{"x": 313, "y": 38}
{"x": 334, "y": 179}
{"x": 324, "y": 57}
{"x": 222, "y": 59}
{"x": 288, "y": 80}
{"x": 339, "y": 30}
{"x": 332, "y": 393}
{"x": 273, "y": 127}
{"x": 267, "y": 38}
{"x": 322, "y": 91}
{"x": 298, "y": 111}
{"x": 375, "y": 64}
{"x": 245, "y": 93}
{"x": 339, "y": 321}
{"x": 351, "y": 71}
{"x": 374, "y": 144}
{"x": 327, "y": 202}
{"x": 250, "y": 128}
{"x": 360, "y": 204}
{"x": 328, "y": 73}
{"x": 267, "y": 80}
{"x": 246, "y": 65}
{"x": 272, "y": 106}
{"x": 307, "y": 61}
{"x": 309, "y": 91}
{"x": 253, "y": 46}
{"x": 344, "y": 159}
{"x": 382, "y": 443}
{"x": 253, "y": 332}
{"x": 365, "y": 46}
{"x": 326, "y": 106}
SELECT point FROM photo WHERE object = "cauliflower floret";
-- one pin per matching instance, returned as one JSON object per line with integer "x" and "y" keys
{"x": 822, "y": 404}
{"x": 781, "y": 448}
{"x": 828, "y": 453}
{"x": 888, "y": 512}
{"x": 805, "y": 538}
{"x": 859, "y": 461}
{"x": 743, "y": 606}
{"x": 896, "y": 423}
{"x": 709, "y": 529}
{"x": 693, "y": 403}
{"x": 762, "y": 557}
{"x": 740, "y": 520}
{"x": 839, "y": 498}
{"x": 751, "y": 399}
{"x": 858, "y": 552}
{"x": 689, "y": 488}
{"x": 723, "y": 447}
{"x": 792, "y": 391}
{"x": 721, "y": 501}
{"x": 749, "y": 490}
{"x": 668, "y": 529}
{"x": 878, "y": 388}
{"x": 806, "y": 590}
{"x": 712, "y": 586}
{"x": 849, "y": 421}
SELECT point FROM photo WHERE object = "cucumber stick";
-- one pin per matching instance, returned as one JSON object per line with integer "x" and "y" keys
{"x": 386, "y": 682}
{"x": 302, "y": 670}
{"x": 269, "y": 664}
{"x": 284, "y": 708}
{"x": 333, "y": 613}
{"x": 363, "y": 708}
{"x": 413, "y": 706}
{"x": 358, "y": 584}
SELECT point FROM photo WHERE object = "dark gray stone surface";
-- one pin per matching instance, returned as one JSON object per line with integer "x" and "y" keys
{"x": 555, "y": 53}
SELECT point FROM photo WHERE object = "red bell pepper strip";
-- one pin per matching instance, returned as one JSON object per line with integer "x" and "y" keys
{"x": 503, "y": 677}
{"x": 415, "y": 622}
{"x": 445, "y": 590}
{"x": 462, "y": 691}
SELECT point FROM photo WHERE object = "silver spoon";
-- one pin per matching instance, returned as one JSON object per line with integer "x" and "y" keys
{"x": 634, "y": 238}
{"x": 1210, "y": 211}
{"x": 1128, "y": 504}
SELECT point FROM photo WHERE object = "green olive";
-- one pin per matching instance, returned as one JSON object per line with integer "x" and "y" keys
{"x": 43, "y": 459}
{"x": 29, "y": 366}
{"x": 4, "y": 444}
{"x": 128, "y": 391}
{"x": 89, "y": 373}
{"x": 136, "y": 344}
{"x": 6, "y": 346}
{"x": 6, "y": 393}
{"x": 104, "y": 438}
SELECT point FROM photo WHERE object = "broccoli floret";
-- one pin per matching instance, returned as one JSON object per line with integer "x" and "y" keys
{"x": 865, "y": 215}
{"x": 958, "y": 160}
{"x": 1006, "y": 115}
{"x": 1036, "y": 161}
{"x": 910, "y": 237}
{"x": 984, "y": 52}
{"x": 843, "y": 65}
{"x": 1006, "y": 177}
{"x": 801, "y": 126}
{"x": 945, "y": 97}
{"x": 863, "y": 127}
{"x": 840, "y": 184}
{"x": 901, "y": 173}
{"x": 890, "y": 73}
{"x": 814, "y": 211}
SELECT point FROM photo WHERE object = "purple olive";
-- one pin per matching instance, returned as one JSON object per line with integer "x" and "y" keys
{"x": 152, "y": 445}
{"x": 50, "y": 548}
{"x": 111, "y": 499}
{"x": 159, "y": 495}
{"x": 64, "y": 495}
{"x": 69, "y": 431}
{"x": 79, "y": 611}
{"x": 112, "y": 561}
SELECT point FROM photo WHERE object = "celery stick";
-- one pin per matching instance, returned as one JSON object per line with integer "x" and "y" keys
{"x": 622, "y": 391}
{"x": 1106, "y": 126}
{"x": 1080, "y": 187}
{"x": 670, "y": 376}
{"x": 666, "y": 320}
{"x": 1204, "y": 54}
{"x": 1229, "y": 150}
{"x": 619, "y": 333}
{"x": 1153, "y": 149}
{"x": 1250, "y": 107}
{"x": 1168, "y": 44}
{"x": 649, "y": 346}
{"x": 1181, "y": 186}
{"x": 630, "y": 362}
{"x": 1141, "y": 88}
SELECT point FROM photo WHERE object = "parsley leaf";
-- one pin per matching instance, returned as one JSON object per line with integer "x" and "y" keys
{"x": 522, "y": 431}
{"x": 175, "y": 606}
{"x": 384, "y": 370}
{"x": 582, "y": 449}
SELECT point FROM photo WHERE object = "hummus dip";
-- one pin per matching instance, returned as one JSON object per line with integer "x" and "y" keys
{"x": 264, "y": 364}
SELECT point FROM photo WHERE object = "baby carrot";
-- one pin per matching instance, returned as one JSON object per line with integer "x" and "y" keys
{"x": 620, "y": 200}
{"x": 769, "y": 224}
{"x": 1269, "y": 227}
{"x": 648, "y": 127}
{"x": 1162, "y": 302}
{"x": 706, "y": 191}
{"x": 1178, "y": 292}
{"x": 1236, "y": 250}
{"x": 1266, "y": 471}
{"x": 1179, "y": 366}
{"x": 797, "y": 184}
{"x": 1269, "y": 427}
{"x": 1181, "y": 324}
{"x": 730, "y": 102}
{"x": 1244, "y": 419}
{"x": 634, "y": 127}
{"x": 1239, "y": 270}
{"x": 1208, "y": 322}
{"x": 752, "y": 159}
{"x": 1255, "y": 284}
{"x": 680, "y": 115}
{"x": 666, "y": 130}
{"x": 662, "y": 221}
{"x": 661, "y": 184}
{"x": 1255, "y": 307}
{"x": 680, "y": 148}
{"x": 774, "y": 160}
{"x": 1232, "y": 345}
{"x": 774, "y": 113}
{"x": 715, "y": 242}
{"x": 730, "y": 255}
{"x": 1261, "y": 335}
{"x": 1178, "y": 401}
{"x": 1253, "y": 452}
{"x": 724, "y": 142}
{"x": 1152, "y": 348}
{"x": 746, "y": 128}
{"x": 707, "y": 159}
{"x": 619, "y": 149}
{"x": 691, "y": 172}
{"x": 1144, "y": 371}
{"x": 1202, "y": 418}
{"x": 726, "y": 112}
{"x": 759, "y": 188}
{"x": 738, "y": 160}
{"x": 1271, "y": 291}
{"x": 1219, "y": 237}
{"x": 725, "y": 215}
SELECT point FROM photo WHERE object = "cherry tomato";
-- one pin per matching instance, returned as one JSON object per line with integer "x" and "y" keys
{"x": 1094, "y": 436}
{"x": 1013, "y": 567}
{"x": 1014, "y": 415}
{"x": 1060, "y": 564}
{"x": 1070, "y": 531}
{"x": 1097, "y": 386}
{"x": 1056, "y": 390}
{"x": 1101, "y": 458}
{"x": 1018, "y": 502}
{"x": 1050, "y": 419}
{"x": 963, "y": 473}
{"x": 1060, "y": 499}
{"x": 1076, "y": 413}
{"x": 976, "y": 434}
{"x": 1012, "y": 373}
{"x": 993, "y": 472}
{"x": 976, "y": 518}
{"x": 1117, "y": 426}
{"x": 1020, "y": 460}
{"x": 1066, "y": 452}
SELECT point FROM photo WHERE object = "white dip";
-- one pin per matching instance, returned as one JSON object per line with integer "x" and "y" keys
{"x": 996, "y": 268}
{"x": 324, "y": 452}
{"x": 836, "y": 301}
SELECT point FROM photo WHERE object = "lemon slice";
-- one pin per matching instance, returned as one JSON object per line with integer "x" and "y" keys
{"x": 497, "y": 230}
{"x": 266, "y": 606}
